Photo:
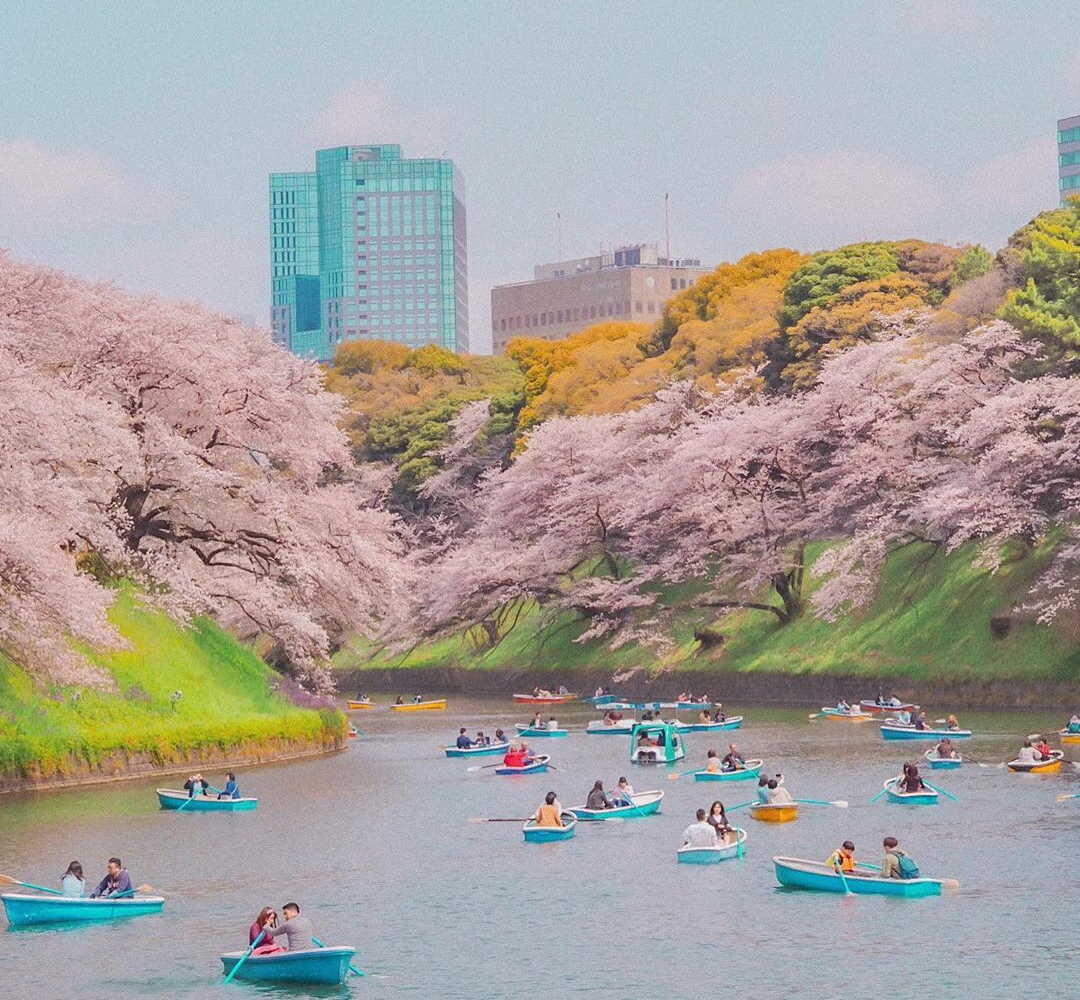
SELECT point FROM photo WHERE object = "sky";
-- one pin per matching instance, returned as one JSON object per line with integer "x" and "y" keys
{"x": 136, "y": 139}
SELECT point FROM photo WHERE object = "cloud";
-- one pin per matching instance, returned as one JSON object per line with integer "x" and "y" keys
{"x": 78, "y": 188}
{"x": 1019, "y": 182}
{"x": 364, "y": 113}
{"x": 825, "y": 199}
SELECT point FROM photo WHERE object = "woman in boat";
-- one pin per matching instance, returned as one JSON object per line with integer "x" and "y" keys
{"x": 719, "y": 715}
{"x": 776, "y": 794}
{"x": 537, "y": 722}
{"x": 399, "y": 700}
{"x": 549, "y": 814}
{"x": 552, "y": 724}
{"x": 1073, "y": 725}
{"x": 598, "y": 693}
{"x": 763, "y": 789}
{"x": 624, "y": 793}
{"x": 843, "y": 706}
{"x": 733, "y": 760}
{"x": 718, "y": 820}
{"x": 231, "y": 789}
{"x": 903, "y": 717}
{"x": 1043, "y": 749}
{"x": 910, "y": 781}
{"x": 703, "y": 717}
{"x": 195, "y": 786}
{"x": 597, "y": 798}
{"x": 72, "y": 882}
{"x": 500, "y": 736}
{"x": 265, "y": 921}
{"x": 712, "y": 762}
{"x": 952, "y": 723}
{"x": 946, "y": 750}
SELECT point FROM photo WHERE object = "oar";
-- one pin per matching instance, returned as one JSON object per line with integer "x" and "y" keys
{"x": 247, "y": 954}
{"x": 1060, "y": 798}
{"x": 843, "y": 881}
{"x": 947, "y": 883}
{"x": 499, "y": 819}
{"x": 948, "y": 795}
{"x": 839, "y": 803}
{"x": 131, "y": 892}
{"x": 878, "y": 796}
{"x": 352, "y": 968}
{"x": 8, "y": 880}
{"x": 481, "y": 767}
{"x": 742, "y": 805}
{"x": 680, "y": 774}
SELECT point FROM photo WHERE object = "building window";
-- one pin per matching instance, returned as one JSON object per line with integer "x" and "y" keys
{"x": 652, "y": 307}
{"x": 502, "y": 324}
{"x": 637, "y": 306}
{"x": 674, "y": 283}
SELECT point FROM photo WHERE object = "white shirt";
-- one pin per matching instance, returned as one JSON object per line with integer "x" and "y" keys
{"x": 71, "y": 885}
{"x": 780, "y": 796}
{"x": 1028, "y": 755}
{"x": 699, "y": 835}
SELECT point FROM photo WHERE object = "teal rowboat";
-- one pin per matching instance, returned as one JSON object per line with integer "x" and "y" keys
{"x": 797, "y": 873}
{"x": 732, "y": 722}
{"x": 173, "y": 798}
{"x": 645, "y": 804}
{"x": 925, "y": 797}
{"x": 524, "y": 730}
{"x": 477, "y": 751}
{"x": 547, "y": 834}
{"x": 309, "y": 965}
{"x": 689, "y": 855}
{"x": 752, "y": 769}
{"x": 24, "y": 909}
{"x": 943, "y": 763}
{"x": 895, "y": 731}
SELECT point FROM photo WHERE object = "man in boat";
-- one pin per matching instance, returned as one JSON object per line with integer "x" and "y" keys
{"x": 537, "y": 722}
{"x": 296, "y": 928}
{"x": 719, "y": 715}
{"x": 733, "y": 760}
{"x": 699, "y": 834}
{"x": 763, "y": 790}
{"x": 231, "y": 789}
{"x": 597, "y": 798}
{"x": 895, "y": 863}
{"x": 549, "y": 813}
{"x": 919, "y": 719}
{"x": 843, "y": 858}
{"x": 778, "y": 795}
{"x": 117, "y": 882}
{"x": 195, "y": 785}
{"x": 463, "y": 741}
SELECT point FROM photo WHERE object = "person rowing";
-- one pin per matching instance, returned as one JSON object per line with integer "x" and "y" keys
{"x": 1043, "y": 749}
{"x": 117, "y": 882}
{"x": 733, "y": 760}
{"x": 624, "y": 793}
{"x": 777, "y": 794}
{"x": 264, "y": 925}
{"x": 909, "y": 780}
{"x": 946, "y": 750}
{"x": 718, "y": 820}
{"x": 463, "y": 741}
{"x": 919, "y": 719}
{"x": 952, "y": 723}
{"x": 719, "y": 715}
{"x": 843, "y": 706}
{"x": 296, "y": 928}
{"x": 700, "y": 833}
{"x": 895, "y": 863}
{"x": 843, "y": 858}
{"x": 549, "y": 813}
{"x": 518, "y": 755}
{"x": 231, "y": 789}
{"x": 597, "y": 798}
{"x": 537, "y": 722}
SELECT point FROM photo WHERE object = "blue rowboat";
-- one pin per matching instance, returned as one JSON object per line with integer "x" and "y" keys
{"x": 309, "y": 965}
{"x": 943, "y": 763}
{"x": 645, "y": 804}
{"x": 476, "y": 751}
{"x": 657, "y": 705}
{"x": 602, "y": 699}
{"x": 895, "y": 731}
{"x": 174, "y": 798}
{"x": 534, "y": 834}
{"x": 530, "y": 731}
{"x": 600, "y": 728}
{"x": 753, "y": 767}
{"x": 926, "y": 797}
{"x": 688, "y": 855}
{"x": 539, "y": 764}
{"x": 24, "y": 909}
{"x": 798, "y": 873}
{"x": 734, "y": 722}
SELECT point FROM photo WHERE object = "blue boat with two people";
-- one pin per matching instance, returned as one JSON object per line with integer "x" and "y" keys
{"x": 798, "y": 873}
{"x": 325, "y": 966}
{"x": 25, "y": 909}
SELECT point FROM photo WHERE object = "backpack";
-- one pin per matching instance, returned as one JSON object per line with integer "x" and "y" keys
{"x": 908, "y": 868}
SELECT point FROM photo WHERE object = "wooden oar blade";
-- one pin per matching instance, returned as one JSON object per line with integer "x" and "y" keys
{"x": 8, "y": 880}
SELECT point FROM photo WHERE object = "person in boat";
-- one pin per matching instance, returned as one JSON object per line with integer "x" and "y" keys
{"x": 880, "y": 699}
{"x": 399, "y": 700}
{"x": 231, "y": 789}
{"x": 895, "y": 863}
{"x": 842, "y": 706}
{"x": 552, "y": 724}
{"x": 537, "y": 722}
{"x": 1043, "y": 749}
{"x": 264, "y": 924}
{"x": 910, "y": 780}
{"x": 599, "y": 692}
{"x": 545, "y": 693}
{"x": 661, "y": 739}
{"x": 701, "y": 833}
{"x": 778, "y": 795}
{"x": 952, "y": 723}
{"x": 703, "y": 717}
{"x": 763, "y": 790}
{"x": 597, "y": 798}
{"x": 624, "y": 793}
{"x": 843, "y": 858}
{"x": 536, "y": 692}
{"x": 517, "y": 756}
{"x": 563, "y": 690}
{"x": 117, "y": 882}
{"x": 894, "y": 702}
{"x": 919, "y": 719}
{"x": 712, "y": 762}
{"x": 645, "y": 746}
{"x": 361, "y": 696}
{"x": 946, "y": 750}
{"x": 417, "y": 699}
{"x": 481, "y": 740}
{"x": 903, "y": 717}
{"x": 463, "y": 741}
{"x": 296, "y": 928}
{"x": 719, "y": 715}
{"x": 72, "y": 883}
{"x": 500, "y": 736}
{"x": 683, "y": 696}
{"x": 550, "y": 813}
{"x": 718, "y": 820}
{"x": 609, "y": 719}
{"x": 1073, "y": 725}
{"x": 1028, "y": 754}
{"x": 733, "y": 760}
{"x": 195, "y": 786}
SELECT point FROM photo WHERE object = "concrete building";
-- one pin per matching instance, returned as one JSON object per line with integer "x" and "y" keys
{"x": 1068, "y": 134}
{"x": 629, "y": 284}
{"x": 368, "y": 246}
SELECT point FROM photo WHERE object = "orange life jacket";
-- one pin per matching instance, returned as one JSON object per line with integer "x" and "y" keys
{"x": 548, "y": 816}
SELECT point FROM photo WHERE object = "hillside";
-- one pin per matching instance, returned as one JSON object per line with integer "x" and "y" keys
{"x": 227, "y": 707}
{"x": 930, "y": 622}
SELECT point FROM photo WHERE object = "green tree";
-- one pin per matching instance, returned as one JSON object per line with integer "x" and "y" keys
{"x": 974, "y": 264}
{"x": 828, "y": 273}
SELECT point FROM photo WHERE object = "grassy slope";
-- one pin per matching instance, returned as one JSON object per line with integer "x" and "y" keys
{"x": 929, "y": 620}
{"x": 226, "y": 699}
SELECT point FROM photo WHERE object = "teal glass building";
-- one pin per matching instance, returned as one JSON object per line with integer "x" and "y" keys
{"x": 1068, "y": 136}
{"x": 369, "y": 246}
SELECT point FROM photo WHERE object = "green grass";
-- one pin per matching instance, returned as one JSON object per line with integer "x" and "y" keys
{"x": 226, "y": 700}
{"x": 929, "y": 621}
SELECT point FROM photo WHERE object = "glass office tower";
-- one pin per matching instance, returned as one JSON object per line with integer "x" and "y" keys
{"x": 369, "y": 246}
{"x": 1068, "y": 136}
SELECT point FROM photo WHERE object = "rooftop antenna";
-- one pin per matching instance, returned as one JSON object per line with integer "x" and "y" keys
{"x": 667, "y": 227}
{"x": 558, "y": 235}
